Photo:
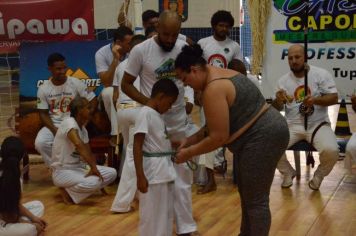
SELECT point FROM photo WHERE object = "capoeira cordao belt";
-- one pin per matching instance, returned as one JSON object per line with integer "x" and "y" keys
{"x": 306, "y": 110}
{"x": 191, "y": 164}
{"x": 129, "y": 105}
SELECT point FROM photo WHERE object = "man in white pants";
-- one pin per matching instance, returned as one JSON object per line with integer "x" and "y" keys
{"x": 107, "y": 58}
{"x": 127, "y": 111}
{"x": 53, "y": 98}
{"x": 72, "y": 157}
{"x": 321, "y": 94}
{"x": 153, "y": 60}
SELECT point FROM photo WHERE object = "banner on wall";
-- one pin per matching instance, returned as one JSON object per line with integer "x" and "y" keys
{"x": 80, "y": 60}
{"x": 331, "y": 40}
{"x": 179, "y": 6}
{"x": 46, "y": 20}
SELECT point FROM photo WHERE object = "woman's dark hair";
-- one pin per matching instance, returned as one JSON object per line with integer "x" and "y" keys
{"x": 12, "y": 151}
{"x": 165, "y": 86}
{"x": 222, "y": 16}
{"x": 190, "y": 56}
{"x": 76, "y": 105}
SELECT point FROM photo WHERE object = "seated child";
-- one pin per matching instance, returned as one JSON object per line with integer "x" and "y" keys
{"x": 16, "y": 219}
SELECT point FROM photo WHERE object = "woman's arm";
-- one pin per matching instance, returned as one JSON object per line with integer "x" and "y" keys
{"x": 84, "y": 152}
{"x": 216, "y": 111}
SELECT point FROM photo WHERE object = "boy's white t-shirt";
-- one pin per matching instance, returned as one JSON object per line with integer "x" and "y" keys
{"x": 64, "y": 153}
{"x": 57, "y": 98}
{"x": 156, "y": 169}
{"x": 320, "y": 82}
{"x": 119, "y": 74}
{"x": 149, "y": 61}
{"x": 219, "y": 53}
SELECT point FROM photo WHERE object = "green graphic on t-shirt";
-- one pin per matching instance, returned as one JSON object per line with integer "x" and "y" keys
{"x": 166, "y": 70}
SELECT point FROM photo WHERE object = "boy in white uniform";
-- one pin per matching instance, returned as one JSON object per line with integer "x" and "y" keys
{"x": 53, "y": 98}
{"x": 151, "y": 60}
{"x": 154, "y": 167}
{"x": 71, "y": 155}
{"x": 126, "y": 115}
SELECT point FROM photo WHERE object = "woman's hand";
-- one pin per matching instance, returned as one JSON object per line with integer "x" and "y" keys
{"x": 179, "y": 144}
{"x": 182, "y": 156}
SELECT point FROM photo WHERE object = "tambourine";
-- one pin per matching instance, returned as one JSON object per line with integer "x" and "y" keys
{"x": 306, "y": 110}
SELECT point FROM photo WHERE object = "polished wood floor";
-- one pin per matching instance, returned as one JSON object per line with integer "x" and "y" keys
{"x": 295, "y": 211}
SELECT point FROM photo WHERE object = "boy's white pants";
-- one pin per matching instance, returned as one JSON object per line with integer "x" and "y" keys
{"x": 23, "y": 229}
{"x": 156, "y": 210}
{"x": 351, "y": 149}
{"x": 78, "y": 186}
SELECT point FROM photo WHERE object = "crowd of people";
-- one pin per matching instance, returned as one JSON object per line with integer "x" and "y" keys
{"x": 150, "y": 82}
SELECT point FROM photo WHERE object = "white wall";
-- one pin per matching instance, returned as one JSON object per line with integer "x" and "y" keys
{"x": 199, "y": 11}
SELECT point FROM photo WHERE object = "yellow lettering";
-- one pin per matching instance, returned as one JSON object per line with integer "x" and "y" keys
{"x": 342, "y": 21}
{"x": 312, "y": 23}
{"x": 325, "y": 20}
{"x": 294, "y": 23}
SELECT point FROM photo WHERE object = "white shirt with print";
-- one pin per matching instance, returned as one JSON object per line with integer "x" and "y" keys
{"x": 149, "y": 61}
{"x": 320, "y": 82}
{"x": 220, "y": 53}
{"x": 56, "y": 98}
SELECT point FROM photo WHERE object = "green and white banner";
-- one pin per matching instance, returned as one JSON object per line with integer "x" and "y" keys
{"x": 331, "y": 40}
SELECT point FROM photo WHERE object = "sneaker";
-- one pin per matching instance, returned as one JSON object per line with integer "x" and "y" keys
{"x": 288, "y": 180}
{"x": 315, "y": 183}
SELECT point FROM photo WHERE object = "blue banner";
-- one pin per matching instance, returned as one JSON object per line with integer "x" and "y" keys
{"x": 80, "y": 60}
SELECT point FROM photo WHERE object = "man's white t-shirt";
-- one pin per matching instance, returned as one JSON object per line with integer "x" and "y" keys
{"x": 156, "y": 169}
{"x": 56, "y": 98}
{"x": 103, "y": 58}
{"x": 64, "y": 154}
{"x": 219, "y": 53}
{"x": 149, "y": 61}
{"x": 119, "y": 73}
{"x": 320, "y": 82}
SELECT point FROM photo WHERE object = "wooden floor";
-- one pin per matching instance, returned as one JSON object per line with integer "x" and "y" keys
{"x": 295, "y": 211}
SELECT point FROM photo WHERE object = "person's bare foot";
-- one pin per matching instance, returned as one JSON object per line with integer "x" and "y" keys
{"x": 65, "y": 196}
{"x": 209, "y": 187}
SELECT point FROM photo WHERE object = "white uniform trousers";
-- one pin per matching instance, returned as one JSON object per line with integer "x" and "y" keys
{"x": 128, "y": 185}
{"x": 106, "y": 96}
{"x": 183, "y": 196}
{"x": 43, "y": 144}
{"x": 23, "y": 229}
{"x": 324, "y": 142}
{"x": 351, "y": 149}
{"x": 126, "y": 118}
{"x": 77, "y": 185}
{"x": 156, "y": 210}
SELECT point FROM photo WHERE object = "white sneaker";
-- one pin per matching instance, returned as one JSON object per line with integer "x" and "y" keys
{"x": 315, "y": 183}
{"x": 288, "y": 179}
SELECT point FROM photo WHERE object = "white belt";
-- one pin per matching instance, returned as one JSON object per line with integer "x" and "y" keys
{"x": 132, "y": 104}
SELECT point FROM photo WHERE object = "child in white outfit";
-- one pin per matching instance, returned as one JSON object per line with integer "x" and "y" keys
{"x": 154, "y": 168}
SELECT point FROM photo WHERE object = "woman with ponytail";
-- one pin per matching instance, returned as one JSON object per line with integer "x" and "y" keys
{"x": 238, "y": 117}
{"x": 16, "y": 219}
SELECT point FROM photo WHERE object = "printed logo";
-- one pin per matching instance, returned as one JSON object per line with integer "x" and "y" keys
{"x": 166, "y": 70}
{"x": 299, "y": 94}
{"x": 217, "y": 60}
